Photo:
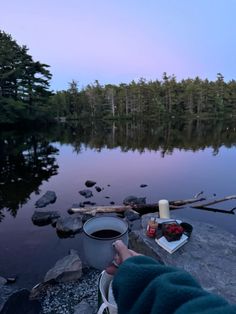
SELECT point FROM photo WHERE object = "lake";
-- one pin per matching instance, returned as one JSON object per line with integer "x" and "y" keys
{"x": 176, "y": 159}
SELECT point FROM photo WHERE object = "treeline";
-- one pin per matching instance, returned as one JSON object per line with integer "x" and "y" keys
{"x": 24, "y": 84}
{"x": 147, "y": 99}
{"x": 25, "y": 94}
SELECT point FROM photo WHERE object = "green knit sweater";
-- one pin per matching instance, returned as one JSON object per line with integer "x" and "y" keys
{"x": 142, "y": 286}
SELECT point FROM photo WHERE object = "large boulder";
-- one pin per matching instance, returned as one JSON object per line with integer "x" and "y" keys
{"x": 68, "y": 268}
{"x": 47, "y": 198}
{"x": 44, "y": 218}
{"x": 209, "y": 255}
{"x": 69, "y": 225}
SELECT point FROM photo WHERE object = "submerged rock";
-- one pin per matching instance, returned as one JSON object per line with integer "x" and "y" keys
{"x": 68, "y": 268}
{"x": 47, "y": 198}
{"x": 90, "y": 183}
{"x": 69, "y": 225}
{"x": 98, "y": 189}
{"x": 143, "y": 185}
{"x": 44, "y": 218}
{"x": 86, "y": 193}
{"x": 129, "y": 200}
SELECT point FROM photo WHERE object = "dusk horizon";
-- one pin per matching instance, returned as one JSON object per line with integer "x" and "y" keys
{"x": 117, "y": 43}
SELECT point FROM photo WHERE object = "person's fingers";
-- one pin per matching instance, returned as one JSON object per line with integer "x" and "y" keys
{"x": 122, "y": 250}
{"x": 133, "y": 253}
{"x": 111, "y": 270}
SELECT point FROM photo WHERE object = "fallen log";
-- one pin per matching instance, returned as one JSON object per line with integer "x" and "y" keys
{"x": 141, "y": 209}
{"x": 215, "y": 201}
{"x": 99, "y": 209}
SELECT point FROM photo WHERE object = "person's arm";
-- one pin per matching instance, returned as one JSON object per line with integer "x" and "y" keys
{"x": 141, "y": 285}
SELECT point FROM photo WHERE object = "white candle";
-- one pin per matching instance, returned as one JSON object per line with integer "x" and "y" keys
{"x": 164, "y": 211}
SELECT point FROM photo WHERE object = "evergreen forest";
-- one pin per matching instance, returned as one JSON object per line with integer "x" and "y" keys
{"x": 25, "y": 94}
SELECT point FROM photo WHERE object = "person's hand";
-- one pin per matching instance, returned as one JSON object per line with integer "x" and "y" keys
{"x": 122, "y": 253}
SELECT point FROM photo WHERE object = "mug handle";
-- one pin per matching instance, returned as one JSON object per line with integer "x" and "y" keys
{"x": 102, "y": 308}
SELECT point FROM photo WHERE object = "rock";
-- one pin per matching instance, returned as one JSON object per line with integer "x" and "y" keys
{"x": 215, "y": 269}
{"x": 90, "y": 183}
{"x": 86, "y": 193}
{"x": 107, "y": 196}
{"x": 129, "y": 200}
{"x": 83, "y": 308}
{"x": 19, "y": 303}
{"x": 86, "y": 217}
{"x": 47, "y": 198}
{"x": 44, "y": 218}
{"x": 131, "y": 215}
{"x": 69, "y": 224}
{"x": 143, "y": 185}
{"x": 98, "y": 189}
{"x": 112, "y": 203}
{"x": 11, "y": 279}
{"x": 68, "y": 268}
{"x": 3, "y": 281}
{"x": 89, "y": 203}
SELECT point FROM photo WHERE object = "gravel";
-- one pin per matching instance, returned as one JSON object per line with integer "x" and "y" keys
{"x": 63, "y": 297}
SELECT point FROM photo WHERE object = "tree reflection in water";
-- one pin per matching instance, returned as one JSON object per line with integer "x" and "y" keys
{"x": 26, "y": 160}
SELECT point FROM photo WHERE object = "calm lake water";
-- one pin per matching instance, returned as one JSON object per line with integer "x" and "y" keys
{"x": 176, "y": 159}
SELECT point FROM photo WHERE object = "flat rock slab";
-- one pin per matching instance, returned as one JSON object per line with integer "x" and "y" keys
{"x": 210, "y": 255}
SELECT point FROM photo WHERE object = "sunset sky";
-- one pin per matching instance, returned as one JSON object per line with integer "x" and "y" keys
{"x": 118, "y": 41}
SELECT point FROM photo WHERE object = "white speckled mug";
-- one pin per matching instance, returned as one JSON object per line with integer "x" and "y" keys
{"x": 97, "y": 244}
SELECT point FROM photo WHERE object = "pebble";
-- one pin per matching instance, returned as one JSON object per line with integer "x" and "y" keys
{"x": 62, "y": 298}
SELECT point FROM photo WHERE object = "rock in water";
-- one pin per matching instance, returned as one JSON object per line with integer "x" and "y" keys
{"x": 143, "y": 185}
{"x": 86, "y": 193}
{"x": 98, "y": 189}
{"x": 131, "y": 215}
{"x": 47, "y": 198}
{"x": 19, "y": 303}
{"x": 66, "y": 269}
{"x": 90, "y": 183}
{"x": 129, "y": 200}
{"x": 69, "y": 225}
{"x": 44, "y": 218}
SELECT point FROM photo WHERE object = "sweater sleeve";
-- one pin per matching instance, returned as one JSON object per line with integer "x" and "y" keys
{"x": 142, "y": 285}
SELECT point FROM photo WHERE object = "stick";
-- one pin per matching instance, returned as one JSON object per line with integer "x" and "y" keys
{"x": 188, "y": 201}
{"x": 227, "y": 198}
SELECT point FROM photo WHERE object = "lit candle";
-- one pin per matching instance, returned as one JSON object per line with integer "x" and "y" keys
{"x": 164, "y": 211}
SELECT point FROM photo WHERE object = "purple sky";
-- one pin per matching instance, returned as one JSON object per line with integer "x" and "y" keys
{"x": 117, "y": 41}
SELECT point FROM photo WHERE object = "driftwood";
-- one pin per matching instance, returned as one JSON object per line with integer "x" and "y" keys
{"x": 141, "y": 209}
{"x": 203, "y": 205}
{"x": 100, "y": 209}
{"x": 151, "y": 208}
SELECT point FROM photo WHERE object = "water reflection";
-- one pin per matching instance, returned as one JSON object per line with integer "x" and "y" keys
{"x": 26, "y": 160}
{"x": 29, "y": 158}
{"x": 163, "y": 136}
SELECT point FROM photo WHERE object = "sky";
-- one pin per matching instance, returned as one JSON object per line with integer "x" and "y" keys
{"x": 119, "y": 41}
